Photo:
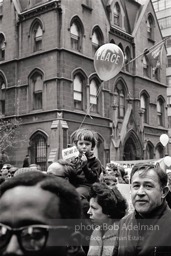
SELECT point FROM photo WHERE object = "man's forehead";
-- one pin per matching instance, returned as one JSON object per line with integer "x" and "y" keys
{"x": 21, "y": 201}
{"x": 31, "y": 193}
{"x": 145, "y": 175}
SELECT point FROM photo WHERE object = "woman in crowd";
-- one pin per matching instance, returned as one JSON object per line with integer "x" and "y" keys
{"x": 107, "y": 207}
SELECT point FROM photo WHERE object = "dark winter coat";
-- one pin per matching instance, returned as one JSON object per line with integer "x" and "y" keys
{"x": 145, "y": 237}
{"x": 85, "y": 173}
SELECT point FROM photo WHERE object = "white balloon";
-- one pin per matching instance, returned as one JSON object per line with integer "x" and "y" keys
{"x": 167, "y": 161}
{"x": 164, "y": 139}
{"x": 108, "y": 61}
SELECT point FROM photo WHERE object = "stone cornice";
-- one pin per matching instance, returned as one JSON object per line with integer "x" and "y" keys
{"x": 33, "y": 12}
{"x": 118, "y": 32}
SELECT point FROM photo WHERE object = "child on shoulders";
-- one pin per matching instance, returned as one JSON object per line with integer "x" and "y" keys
{"x": 87, "y": 167}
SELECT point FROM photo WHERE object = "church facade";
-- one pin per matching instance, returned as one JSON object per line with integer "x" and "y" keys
{"x": 48, "y": 79}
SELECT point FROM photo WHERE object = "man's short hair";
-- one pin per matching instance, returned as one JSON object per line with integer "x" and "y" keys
{"x": 69, "y": 206}
{"x": 162, "y": 176}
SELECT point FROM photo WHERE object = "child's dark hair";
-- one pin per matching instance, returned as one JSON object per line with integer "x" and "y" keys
{"x": 85, "y": 134}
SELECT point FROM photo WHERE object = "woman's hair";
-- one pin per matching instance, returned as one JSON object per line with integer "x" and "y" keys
{"x": 85, "y": 134}
{"x": 111, "y": 200}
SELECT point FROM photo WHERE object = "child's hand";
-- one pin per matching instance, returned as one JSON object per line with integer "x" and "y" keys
{"x": 84, "y": 158}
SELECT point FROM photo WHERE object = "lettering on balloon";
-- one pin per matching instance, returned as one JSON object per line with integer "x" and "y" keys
{"x": 112, "y": 57}
{"x": 108, "y": 61}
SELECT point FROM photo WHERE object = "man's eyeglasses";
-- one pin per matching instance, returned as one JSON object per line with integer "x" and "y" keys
{"x": 30, "y": 238}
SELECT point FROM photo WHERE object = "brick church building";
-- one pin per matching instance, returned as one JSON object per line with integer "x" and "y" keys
{"x": 48, "y": 79}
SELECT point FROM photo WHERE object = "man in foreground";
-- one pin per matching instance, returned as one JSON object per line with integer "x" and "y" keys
{"x": 146, "y": 231}
{"x": 37, "y": 216}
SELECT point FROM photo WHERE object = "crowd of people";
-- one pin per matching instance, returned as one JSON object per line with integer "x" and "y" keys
{"x": 76, "y": 208}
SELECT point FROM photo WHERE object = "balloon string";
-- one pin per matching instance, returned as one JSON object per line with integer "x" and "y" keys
{"x": 98, "y": 92}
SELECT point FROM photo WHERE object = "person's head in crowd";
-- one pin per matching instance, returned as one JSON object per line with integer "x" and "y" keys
{"x": 85, "y": 140}
{"x": 35, "y": 166}
{"x": 12, "y": 170}
{"x": 111, "y": 169}
{"x": 124, "y": 175}
{"x": 8, "y": 171}
{"x": 116, "y": 171}
{"x": 9, "y": 175}
{"x": 24, "y": 170}
{"x": 4, "y": 172}
{"x": 109, "y": 180}
{"x": 148, "y": 187}
{"x": 26, "y": 161}
{"x": 106, "y": 205}
{"x": 62, "y": 168}
{"x": 37, "y": 216}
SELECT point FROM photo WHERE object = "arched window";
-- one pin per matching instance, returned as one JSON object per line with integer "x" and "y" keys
{"x": 116, "y": 14}
{"x": 160, "y": 112}
{"x": 36, "y": 81}
{"x": 37, "y": 35}
{"x": 2, "y": 95}
{"x": 78, "y": 92}
{"x": 2, "y": 47}
{"x": 119, "y": 99}
{"x": 112, "y": 41}
{"x": 168, "y": 81}
{"x": 146, "y": 67}
{"x": 38, "y": 150}
{"x": 156, "y": 72}
{"x": 121, "y": 46}
{"x": 130, "y": 151}
{"x": 76, "y": 33}
{"x": 93, "y": 96}
{"x": 159, "y": 152}
{"x": 127, "y": 58}
{"x": 144, "y": 106}
{"x": 150, "y": 27}
{"x": 97, "y": 39}
{"x": 149, "y": 151}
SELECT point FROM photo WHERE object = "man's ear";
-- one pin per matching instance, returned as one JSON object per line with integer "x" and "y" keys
{"x": 74, "y": 244}
{"x": 165, "y": 192}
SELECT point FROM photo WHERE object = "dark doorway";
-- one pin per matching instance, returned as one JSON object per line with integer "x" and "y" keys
{"x": 130, "y": 152}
